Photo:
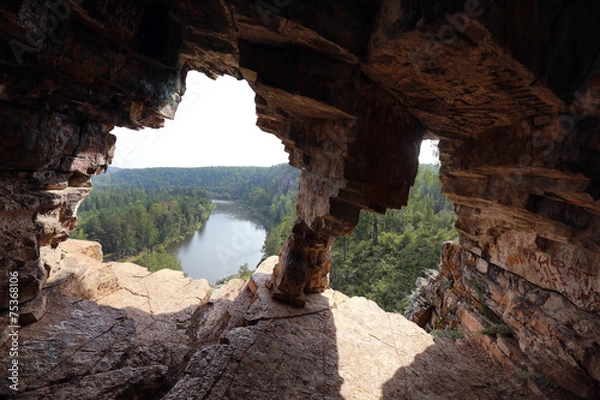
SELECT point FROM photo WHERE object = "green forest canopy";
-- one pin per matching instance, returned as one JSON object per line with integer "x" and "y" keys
{"x": 128, "y": 221}
{"x": 385, "y": 254}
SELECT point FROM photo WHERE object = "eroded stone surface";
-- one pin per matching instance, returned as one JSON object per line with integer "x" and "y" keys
{"x": 513, "y": 319}
{"x": 39, "y": 204}
{"x": 239, "y": 343}
{"x": 336, "y": 347}
{"x": 109, "y": 330}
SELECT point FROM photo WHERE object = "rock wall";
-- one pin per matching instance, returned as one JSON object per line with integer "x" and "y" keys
{"x": 527, "y": 263}
{"x": 510, "y": 88}
{"x": 46, "y": 164}
{"x": 532, "y": 331}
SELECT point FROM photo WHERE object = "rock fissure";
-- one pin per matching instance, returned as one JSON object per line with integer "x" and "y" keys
{"x": 278, "y": 317}
{"x": 81, "y": 348}
{"x": 137, "y": 293}
{"x": 215, "y": 381}
{"x": 384, "y": 342}
{"x": 149, "y": 301}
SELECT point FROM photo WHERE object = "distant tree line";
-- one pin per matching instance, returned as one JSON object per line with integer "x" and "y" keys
{"x": 225, "y": 183}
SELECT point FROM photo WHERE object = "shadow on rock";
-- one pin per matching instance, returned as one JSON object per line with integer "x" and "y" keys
{"x": 116, "y": 331}
{"x": 268, "y": 350}
{"x": 459, "y": 370}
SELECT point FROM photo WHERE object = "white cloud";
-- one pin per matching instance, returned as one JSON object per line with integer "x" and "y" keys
{"x": 428, "y": 153}
{"x": 214, "y": 125}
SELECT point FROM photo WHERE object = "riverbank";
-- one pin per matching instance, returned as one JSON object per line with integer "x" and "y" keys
{"x": 129, "y": 222}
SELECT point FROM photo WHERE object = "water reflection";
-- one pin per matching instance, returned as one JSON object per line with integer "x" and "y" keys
{"x": 230, "y": 237}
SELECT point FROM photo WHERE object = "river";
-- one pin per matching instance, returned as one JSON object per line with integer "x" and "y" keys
{"x": 230, "y": 237}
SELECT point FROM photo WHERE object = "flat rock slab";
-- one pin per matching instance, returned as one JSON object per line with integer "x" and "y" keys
{"x": 264, "y": 307}
{"x": 83, "y": 247}
{"x": 160, "y": 336}
{"x": 335, "y": 348}
{"x": 164, "y": 291}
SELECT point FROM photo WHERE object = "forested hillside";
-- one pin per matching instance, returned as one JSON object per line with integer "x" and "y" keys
{"x": 385, "y": 254}
{"x": 129, "y": 221}
{"x": 226, "y": 183}
{"x": 269, "y": 192}
{"x": 137, "y": 212}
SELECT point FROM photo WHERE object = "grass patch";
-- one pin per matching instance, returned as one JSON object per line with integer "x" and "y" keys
{"x": 447, "y": 283}
{"x": 243, "y": 273}
{"x": 489, "y": 315}
{"x": 496, "y": 329}
{"x": 536, "y": 377}
{"x": 450, "y": 334}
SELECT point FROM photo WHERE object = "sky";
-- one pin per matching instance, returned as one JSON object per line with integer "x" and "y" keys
{"x": 215, "y": 125}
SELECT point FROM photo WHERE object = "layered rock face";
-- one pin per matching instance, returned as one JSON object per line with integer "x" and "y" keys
{"x": 510, "y": 88}
{"x": 535, "y": 332}
{"x": 46, "y": 162}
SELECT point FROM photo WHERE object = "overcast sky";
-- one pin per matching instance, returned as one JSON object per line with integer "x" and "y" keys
{"x": 214, "y": 125}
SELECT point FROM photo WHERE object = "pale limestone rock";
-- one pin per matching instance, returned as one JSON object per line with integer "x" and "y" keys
{"x": 83, "y": 247}
{"x": 161, "y": 336}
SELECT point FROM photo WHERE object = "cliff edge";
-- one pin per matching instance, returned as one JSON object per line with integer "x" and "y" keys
{"x": 116, "y": 331}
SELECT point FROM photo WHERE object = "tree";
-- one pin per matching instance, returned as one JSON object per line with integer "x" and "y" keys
{"x": 385, "y": 254}
{"x": 129, "y": 221}
{"x": 157, "y": 260}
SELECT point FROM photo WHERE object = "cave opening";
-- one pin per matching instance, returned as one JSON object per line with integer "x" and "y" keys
{"x": 337, "y": 84}
{"x": 212, "y": 144}
{"x": 389, "y": 256}
{"x": 215, "y": 125}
